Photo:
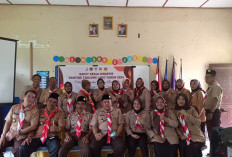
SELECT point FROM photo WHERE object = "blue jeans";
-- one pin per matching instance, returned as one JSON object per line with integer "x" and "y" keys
{"x": 52, "y": 143}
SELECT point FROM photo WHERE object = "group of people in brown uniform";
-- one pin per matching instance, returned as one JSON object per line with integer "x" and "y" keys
{"x": 170, "y": 120}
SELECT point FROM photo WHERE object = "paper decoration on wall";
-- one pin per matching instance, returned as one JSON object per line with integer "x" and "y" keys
{"x": 105, "y": 60}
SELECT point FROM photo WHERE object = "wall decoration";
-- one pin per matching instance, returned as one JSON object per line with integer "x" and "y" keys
{"x": 44, "y": 79}
{"x": 93, "y": 30}
{"x": 122, "y": 30}
{"x": 105, "y": 60}
{"x": 108, "y": 23}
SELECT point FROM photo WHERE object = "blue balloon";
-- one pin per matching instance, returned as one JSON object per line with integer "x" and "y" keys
{"x": 129, "y": 59}
{"x": 56, "y": 58}
{"x": 88, "y": 60}
{"x": 155, "y": 60}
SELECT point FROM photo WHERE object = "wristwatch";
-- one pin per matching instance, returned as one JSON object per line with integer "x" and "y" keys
{"x": 3, "y": 135}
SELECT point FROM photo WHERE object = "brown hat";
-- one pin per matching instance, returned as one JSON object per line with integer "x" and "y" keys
{"x": 84, "y": 83}
{"x": 211, "y": 72}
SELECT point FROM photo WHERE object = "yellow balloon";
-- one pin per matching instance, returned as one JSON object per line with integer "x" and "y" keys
{"x": 109, "y": 61}
{"x": 140, "y": 58}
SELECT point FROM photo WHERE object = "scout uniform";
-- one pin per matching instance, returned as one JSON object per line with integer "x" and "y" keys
{"x": 43, "y": 135}
{"x": 66, "y": 102}
{"x": 46, "y": 93}
{"x": 128, "y": 95}
{"x": 191, "y": 147}
{"x": 90, "y": 106}
{"x": 186, "y": 92}
{"x": 134, "y": 126}
{"x": 169, "y": 134}
{"x": 196, "y": 100}
{"x": 30, "y": 87}
{"x": 101, "y": 120}
{"x": 143, "y": 94}
{"x": 214, "y": 91}
{"x": 71, "y": 127}
{"x": 31, "y": 119}
{"x": 97, "y": 95}
{"x": 117, "y": 103}
{"x": 170, "y": 98}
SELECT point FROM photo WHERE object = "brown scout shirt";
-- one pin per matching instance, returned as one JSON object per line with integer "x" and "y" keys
{"x": 31, "y": 118}
{"x": 45, "y": 94}
{"x": 62, "y": 102}
{"x": 88, "y": 104}
{"x": 72, "y": 119}
{"x": 97, "y": 95}
{"x": 114, "y": 100}
{"x": 193, "y": 122}
{"x": 30, "y": 87}
{"x": 58, "y": 119}
{"x": 128, "y": 100}
{"x": 186, "y": 92}
{"x": 215, "y": 91}
{"x": 131, "y": 122}
{"x": 146, "y": 99}
{"x": 169, "y": 126}
{"x": 197, "y": 99}
{"x": 170, "y": 97}
{"x": 100, "y": 120}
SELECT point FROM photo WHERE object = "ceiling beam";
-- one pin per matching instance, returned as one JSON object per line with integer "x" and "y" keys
{"x": 127, "y": 3}
{"x": 48, "y": 2}
{"x": 87, "y": 1}
{"x": 204, "y": 3}
{"x": 165, "y": 3}
{"x": 9, "y": 1}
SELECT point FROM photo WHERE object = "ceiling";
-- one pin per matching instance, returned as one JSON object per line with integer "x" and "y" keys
{"x": 127, "y": 3}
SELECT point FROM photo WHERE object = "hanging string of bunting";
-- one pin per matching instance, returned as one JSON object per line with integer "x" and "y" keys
{"x": 105, "y": 60}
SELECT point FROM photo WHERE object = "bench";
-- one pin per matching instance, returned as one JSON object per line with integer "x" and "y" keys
{"x": 44, "y": 149}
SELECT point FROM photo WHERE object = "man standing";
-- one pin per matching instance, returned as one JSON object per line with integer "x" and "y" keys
{"x": 35, "y": 87}
{"x": 21, "y": 121}
{"x": 212, "y": 101}
{"x": 107, "y": 124}
{"x": 51, "y": 89}
{"x": 51, "y": 122}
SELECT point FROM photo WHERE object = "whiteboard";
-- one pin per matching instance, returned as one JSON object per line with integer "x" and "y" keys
{"x": 7, "y": 68}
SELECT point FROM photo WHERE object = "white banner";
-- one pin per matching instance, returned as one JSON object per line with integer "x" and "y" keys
{"x": 75, "y": 74}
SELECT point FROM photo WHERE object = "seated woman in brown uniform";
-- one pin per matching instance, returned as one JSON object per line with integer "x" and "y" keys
{"x": 168, "y": 94}
{"x": 137, "y": 120}
{"x": 77, "y": 130}
{"x": 191, "y": 137}
{"x": 162, "y": 131}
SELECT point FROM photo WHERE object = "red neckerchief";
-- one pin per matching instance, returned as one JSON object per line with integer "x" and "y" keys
{"x": 88, "y": 94}
{"x": 69, "y": 103}
{"x": 137, "y": 123}
{"x": 161, "y": 122}
{"x": 126, "y": 90}
{"x": 138, "y": 92}
{"x": 206, "y": 93}
{"x": 78, "y": 126}
{"x": 115, "y": 94}
{"x": 22, "y": 116}
{"x": 46, "y": 126}
{"x": 52, "y": 91}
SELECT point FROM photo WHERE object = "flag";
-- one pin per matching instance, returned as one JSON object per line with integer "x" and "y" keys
{"x": 173, "y": 79}
{"x": 180, "y": 76}
{"x": 157, "y": 76}
{"x": 166, "y": 70}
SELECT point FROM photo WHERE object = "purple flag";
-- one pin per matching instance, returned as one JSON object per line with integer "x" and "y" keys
{"x": 173, "y": 77}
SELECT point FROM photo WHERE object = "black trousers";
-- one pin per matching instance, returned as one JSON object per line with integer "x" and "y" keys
{"x": 203, "y": 127}
{"x": 52, "y": 143}
{"x": 141, "y": 142}
{"x": 117, "y": 143}
{"x": 192, "y": 150}
{"x": 214, "y": 122}
{"x": 165, "y": 149}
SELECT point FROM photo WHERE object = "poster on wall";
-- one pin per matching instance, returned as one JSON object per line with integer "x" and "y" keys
{"x": 75, "y": 74}
{"x": 44, "y": 79}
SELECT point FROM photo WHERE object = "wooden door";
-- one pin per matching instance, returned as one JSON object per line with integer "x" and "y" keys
{"x": 224, "y": 78}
